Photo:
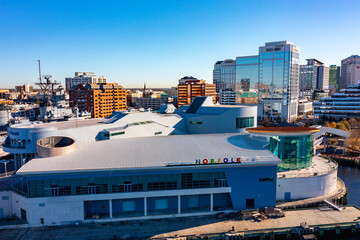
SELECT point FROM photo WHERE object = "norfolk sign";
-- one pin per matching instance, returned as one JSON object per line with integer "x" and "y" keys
{"x": 206, "y": 161}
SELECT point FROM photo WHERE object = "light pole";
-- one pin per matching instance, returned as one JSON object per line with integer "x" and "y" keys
{"x": 5, "y": 162}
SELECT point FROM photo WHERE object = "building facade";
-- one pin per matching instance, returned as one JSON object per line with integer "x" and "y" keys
{"x": 344, "y": 104}
{"x": 350, "y": 71}
{"x": 192, "y": 175}
{"x": 279, "y": 80}
{"x": 334, "y": 77}
{"x": 227, "y": 96}
{"x": 190, "y": 87}
{"x": 270, "y": 79}
{"x": 83, "y": 78}
{"x": 99, "y": 99}
{"x": 203, "y": 117}
{"x": 224, "y": 75}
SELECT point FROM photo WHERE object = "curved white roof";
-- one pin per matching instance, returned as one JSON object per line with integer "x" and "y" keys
{"x": 153, "y": 152}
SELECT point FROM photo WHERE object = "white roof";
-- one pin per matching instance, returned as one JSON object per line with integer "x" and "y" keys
{"x": 334, "y": 131}
{"x": 153, "y": 152}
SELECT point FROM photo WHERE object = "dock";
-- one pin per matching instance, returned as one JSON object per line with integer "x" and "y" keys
{"x": 318, "y": 221}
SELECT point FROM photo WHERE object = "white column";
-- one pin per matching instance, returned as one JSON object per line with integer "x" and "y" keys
{"x": 179, "y": 204}
{"x": 211, "y": 202}
{"x": 110, "y": 208}
{"x": 145, "y": 206}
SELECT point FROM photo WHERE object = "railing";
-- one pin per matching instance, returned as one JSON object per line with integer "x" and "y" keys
{"x": 332, "y": 168}
{"x": 7, "y": 145}
{"x": 8, "y": 174}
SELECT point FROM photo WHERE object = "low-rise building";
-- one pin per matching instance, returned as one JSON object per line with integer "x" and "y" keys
{"x": 344, "y": 104}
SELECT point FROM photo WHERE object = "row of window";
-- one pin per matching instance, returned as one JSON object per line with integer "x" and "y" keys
{"x": 60, "y": 187}
{"x": 244, "y": 122}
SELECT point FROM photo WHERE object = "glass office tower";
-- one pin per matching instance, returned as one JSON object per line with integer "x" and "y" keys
{"x": 247, "y": 78}
{"x": 224, "y": 75}
{"x": 279, "y": 80}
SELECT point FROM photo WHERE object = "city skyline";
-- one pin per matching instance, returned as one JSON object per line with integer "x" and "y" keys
{"x": 157, "y": 43}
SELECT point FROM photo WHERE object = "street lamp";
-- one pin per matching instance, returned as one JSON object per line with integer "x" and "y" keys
{"x": 5, "y": 162}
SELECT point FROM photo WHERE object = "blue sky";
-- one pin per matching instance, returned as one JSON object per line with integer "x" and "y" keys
{"x": 158, "y": 42}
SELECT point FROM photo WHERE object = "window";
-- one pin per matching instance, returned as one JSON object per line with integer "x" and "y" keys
{"x": 266, "y": 179}
{"x": 161, "y": 204}
{"x": 41, "y": 204}
{"x": 194, "y": 122}
{"x": 117, "y": 133}
{"x": 127, "y": 188}
{"x": 244, "y": 122}
{"x": 128, "y": 206}
{"x": 153, "y": 186}
{"x": 221, "y": 183}
{"x": 158, "y": 133}
{"x": 5, "y": 198}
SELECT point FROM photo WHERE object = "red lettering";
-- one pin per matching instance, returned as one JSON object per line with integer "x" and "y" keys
{"x": 205, "y": 161}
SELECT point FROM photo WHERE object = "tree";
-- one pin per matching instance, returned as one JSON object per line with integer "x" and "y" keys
{"x": 347, "y": 125}
{"x": 266, "y": 122}
{"x": 333, "y": 125}
{"x": 327, "y": 124}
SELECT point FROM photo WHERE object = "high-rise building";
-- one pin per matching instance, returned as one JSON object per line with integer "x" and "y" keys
{"x": 323, "y": 78}
{"x": 313, "y": 76}
{"x": 334, "y": 77}
{"x": 247, "y": 78}
{"x": 278, "y": 87}
{"x": 83, "y": 78}
{"x": 308, "y": 78}
{"x": 190, "y": 87}
{"x": 224, "y": 74}
{"x": 270, "y": 79}
{"x": 350, "y": 71}
{"x": 99, "y": 99}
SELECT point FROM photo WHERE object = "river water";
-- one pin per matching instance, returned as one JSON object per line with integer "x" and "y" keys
{"x": 351, "y": 178}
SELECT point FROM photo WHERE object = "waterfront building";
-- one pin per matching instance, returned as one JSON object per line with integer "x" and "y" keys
{"x": 83, "y": 78}
{"x": 224, "y": 76}
{"x": 334, "y": 77}
{"x": 344, "y": 104}
{"x": 200, "y": 117}
{"x": 350, "y": 71}
{"x": 300, "y": 174}
{"x": 192, "y": 175}
{"x": 190, "y": 87}
{"x": 99, "y": 99}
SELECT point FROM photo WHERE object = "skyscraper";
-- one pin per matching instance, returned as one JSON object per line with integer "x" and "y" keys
{"x": 334, "y": 77}
{"x": 350, "y": 71}
{"x": 270, "y": 79}
{"x": 278, "y": 86}
{"x": 224, "y": 74}
{"x": 309, "y": 75}
{"x": 247, "y": 78}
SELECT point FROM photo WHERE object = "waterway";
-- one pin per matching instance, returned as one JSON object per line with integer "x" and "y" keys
{"x": 351, "y": 178}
